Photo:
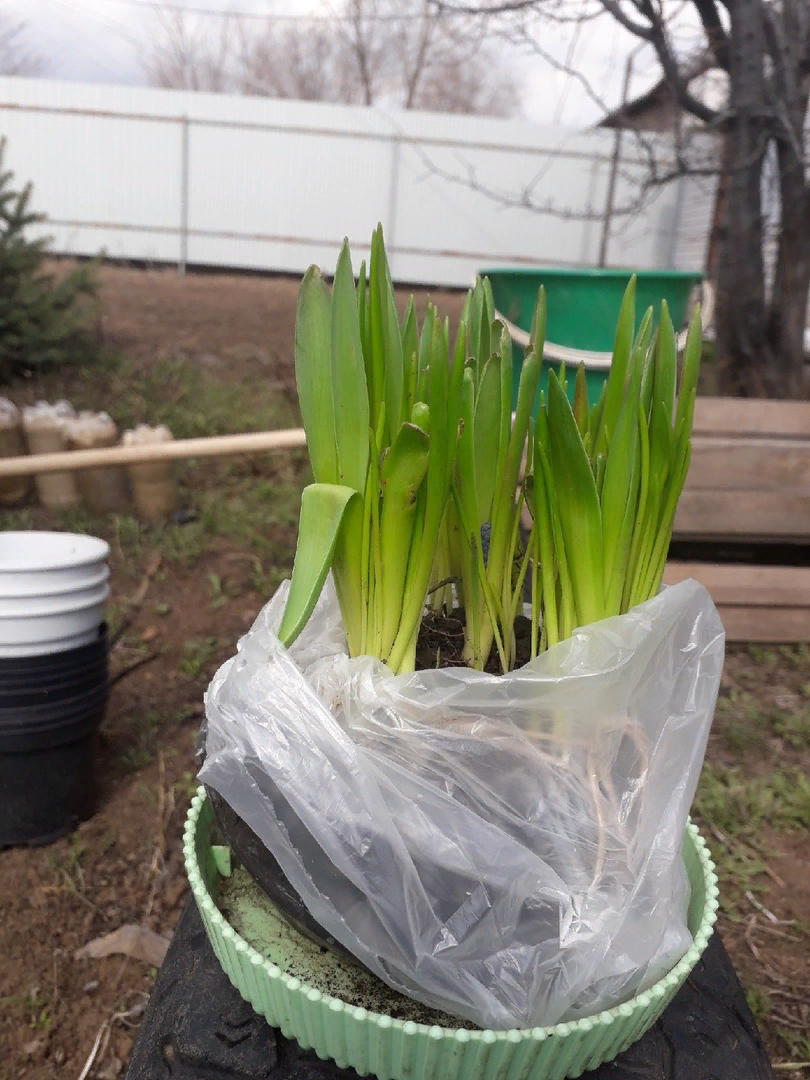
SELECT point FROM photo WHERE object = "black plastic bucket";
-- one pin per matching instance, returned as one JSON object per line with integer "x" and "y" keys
{"x": 50, "y": 711}
{"x": 32, "y": 669}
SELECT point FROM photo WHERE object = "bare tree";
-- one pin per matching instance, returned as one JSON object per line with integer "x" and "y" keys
{"x": 464, "y": 86}
{"x": 401, "y": 53}
{"x": 764, "y": 48}
{"x": 366, "y": 39}
{"x": 184, "y": 54}
{"x": 764, "y": 45}
{"x": 308, "y": 64}
{"x": 16, "y": 58}
{"x": 447, "y": 65}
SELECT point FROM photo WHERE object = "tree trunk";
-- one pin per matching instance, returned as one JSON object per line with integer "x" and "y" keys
{"x": 760, "y": 343}
{"x": 788, "y": 306}
{"x": 741, "y": 318}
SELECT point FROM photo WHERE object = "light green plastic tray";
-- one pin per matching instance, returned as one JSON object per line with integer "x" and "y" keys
{"x": 403, "y": 1050}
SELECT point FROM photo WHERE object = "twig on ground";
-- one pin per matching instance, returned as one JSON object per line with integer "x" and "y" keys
{"x": 139, "y": 663}
{"x": 802, "y": 1000}
{"x": 161, "y": 804}
{"x": 103, "y": 1036}
{"x": 121, "y": 970}
{"x": 769, "y": 915}
{"x": 157, "y": 866}
{"x": 772, "y": 874}
{"x": 791, "y": 1065}
{"x": 77, "y": 892}
{"x": 777, "y": 933}
{"x": 777, "y": 978}
{"x": 788, "y": 1021}
{"x": 135, "y": 602}
{"x": 118, "y": 547}
{"x": 735, "y": 842}
{"x": 55, "y": 994}
{"x": 748, "y": 931}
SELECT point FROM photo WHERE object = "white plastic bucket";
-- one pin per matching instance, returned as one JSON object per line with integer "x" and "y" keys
{"x": 23, "y": 586}
{"x": 52, "y": 645}
{"x": 53, "y": 588}
{"x": 20, "y": 607}
{"x": 31, "y": 622}
{"x": 40, "y": 552}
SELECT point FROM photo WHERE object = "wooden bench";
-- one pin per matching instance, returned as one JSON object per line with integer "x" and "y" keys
{"x": 749, "y": 485}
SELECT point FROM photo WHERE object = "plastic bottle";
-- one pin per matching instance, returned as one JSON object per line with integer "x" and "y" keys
{"x": 12, "y": 488}
{"x": 44, "y": 427}
{"x": 105, "y": 489}
{"x": 153, "y": 486}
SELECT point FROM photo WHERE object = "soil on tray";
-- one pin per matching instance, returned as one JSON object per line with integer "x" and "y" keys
{"x": 253, "y": 915}
{"x": 441, "y": 643}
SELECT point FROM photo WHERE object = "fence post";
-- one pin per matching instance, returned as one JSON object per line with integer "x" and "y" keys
{"x": 393, "y": 196}
{"x": 615, "y": 160}
{"x": 611, "y": 192}
{"x": 585, "y": 244}
{"x": 184, "y": 182}
{"x": 677, "y": 216}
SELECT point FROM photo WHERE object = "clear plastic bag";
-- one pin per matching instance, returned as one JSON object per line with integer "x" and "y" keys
{"x": 506, "y": 849}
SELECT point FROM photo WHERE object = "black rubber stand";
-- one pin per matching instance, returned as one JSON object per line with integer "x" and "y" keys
{"x": 197, "y": 1027}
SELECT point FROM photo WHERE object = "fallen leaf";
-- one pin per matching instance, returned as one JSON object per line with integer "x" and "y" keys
{"x": 150, "y": 633}
{"x": 136, "y": 941}
{"x": 30, "y": 1048}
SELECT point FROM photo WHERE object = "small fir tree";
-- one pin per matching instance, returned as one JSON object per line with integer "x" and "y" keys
{"x": 44, "y": 319}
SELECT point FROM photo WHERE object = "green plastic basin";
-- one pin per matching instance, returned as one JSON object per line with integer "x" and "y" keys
{"x": 394, "y": 1049}
{"x": 583, "y": 306}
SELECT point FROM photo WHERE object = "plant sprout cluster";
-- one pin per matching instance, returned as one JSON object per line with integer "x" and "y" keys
{"x": 414, "y": 448}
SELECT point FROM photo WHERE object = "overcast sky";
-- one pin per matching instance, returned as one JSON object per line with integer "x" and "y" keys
{"x": 100, "y": 41}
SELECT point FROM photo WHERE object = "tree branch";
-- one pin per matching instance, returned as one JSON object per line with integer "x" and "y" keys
{"x": 659, "y": 41}
{"x": 505, "y": 7}
{"x": 789, "y": 97}
{"x": 715, "y": 32}
{"x": 523, "y": 199}
{"x": 614, "y": 8}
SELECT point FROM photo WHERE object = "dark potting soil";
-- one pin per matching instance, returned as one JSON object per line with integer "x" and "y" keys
{"x": 303, "y": 955}
{"x": 441, "y": 643}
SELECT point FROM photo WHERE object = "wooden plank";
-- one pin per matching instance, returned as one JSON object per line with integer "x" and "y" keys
{"x": 768, "y": 515}
{"x": 766, "y": 625}
{"x": 748, "y": 416}
{"x": 765, "y": 604}
{"x": 736, "y": 585}
{"x": 747, "y": 464}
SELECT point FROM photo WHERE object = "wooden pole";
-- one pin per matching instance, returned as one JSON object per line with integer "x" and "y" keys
{"x": 172, "y": 450}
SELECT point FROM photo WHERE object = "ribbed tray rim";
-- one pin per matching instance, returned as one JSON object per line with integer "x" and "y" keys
{"x": 604, "y": 1035}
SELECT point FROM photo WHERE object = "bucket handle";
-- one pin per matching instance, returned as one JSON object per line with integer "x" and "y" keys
{"x": 595, "y": 361}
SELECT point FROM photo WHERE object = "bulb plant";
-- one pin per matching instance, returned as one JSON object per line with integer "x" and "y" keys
{"x": 415, "y": 449}
{"x": 606, "y": 481}
{"x": 486, "y": 492}
{"x": 380, "y": 406}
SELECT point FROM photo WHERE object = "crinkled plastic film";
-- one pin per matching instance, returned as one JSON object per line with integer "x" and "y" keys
{"x": 504, "y": 848}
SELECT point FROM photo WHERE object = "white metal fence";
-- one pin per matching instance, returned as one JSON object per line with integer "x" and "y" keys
{"x": 218, "y": 180}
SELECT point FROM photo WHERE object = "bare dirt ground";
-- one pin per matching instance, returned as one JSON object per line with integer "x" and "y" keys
{"x": 210, "y": 354}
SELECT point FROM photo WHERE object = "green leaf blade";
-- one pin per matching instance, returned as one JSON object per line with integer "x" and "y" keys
{"x": 622, "y": 346}
{"x": 349, "y": 387}
{"x": 578, "y": 505}
{"x": 487, "y": 435}
{"x": 401, "y": 475}
{"x": 313, "y": 374}
{"x": 323, "y": 508}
